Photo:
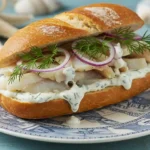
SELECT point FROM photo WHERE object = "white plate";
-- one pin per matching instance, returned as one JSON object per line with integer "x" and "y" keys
{"x": 126, "y": 120}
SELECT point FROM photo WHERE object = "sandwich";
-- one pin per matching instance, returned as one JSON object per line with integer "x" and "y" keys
{"x": 83, "y": 59}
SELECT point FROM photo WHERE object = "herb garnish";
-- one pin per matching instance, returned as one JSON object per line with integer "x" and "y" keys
{"x": 127, "y": 37}
{"x": 32, "y": 58}
{"x": 91, "y": 47}
{"x": 94, "y": 48}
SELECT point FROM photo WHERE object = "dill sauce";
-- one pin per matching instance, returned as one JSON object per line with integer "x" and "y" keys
{"x": 76, "y": 93}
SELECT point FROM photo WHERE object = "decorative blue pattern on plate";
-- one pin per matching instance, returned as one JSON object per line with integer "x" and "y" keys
{"x": 125, "y": 120}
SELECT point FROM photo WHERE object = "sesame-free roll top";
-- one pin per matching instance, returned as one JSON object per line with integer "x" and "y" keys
{"x": 101, "y": 17}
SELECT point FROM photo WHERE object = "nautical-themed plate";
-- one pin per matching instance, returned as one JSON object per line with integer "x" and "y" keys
{"x": 126, "y": 120}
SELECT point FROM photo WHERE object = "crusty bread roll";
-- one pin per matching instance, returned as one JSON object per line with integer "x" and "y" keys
{"x": 80, "y": 22}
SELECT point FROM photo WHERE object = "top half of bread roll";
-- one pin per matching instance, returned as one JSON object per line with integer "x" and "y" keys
{"x": 80, "y": 22}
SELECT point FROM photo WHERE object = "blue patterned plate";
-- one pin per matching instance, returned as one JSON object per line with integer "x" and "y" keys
{"x": 126, "y": 120}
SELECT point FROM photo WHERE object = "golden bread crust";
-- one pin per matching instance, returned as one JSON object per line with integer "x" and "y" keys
{"x": 53, "y": 30}
{"x": 120, "y": 16}
{"x": 61, "y": 107}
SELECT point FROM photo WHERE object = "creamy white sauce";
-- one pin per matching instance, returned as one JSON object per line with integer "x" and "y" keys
{"x": 75, "y": 94}
{"x": 72, "y": 121}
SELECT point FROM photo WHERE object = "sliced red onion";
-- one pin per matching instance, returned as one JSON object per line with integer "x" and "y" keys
{"x": 111, "y": 35}
{"x": 138, "y": 37}
{"x": 67, "y": 58}
{"x": 93, "y": 63}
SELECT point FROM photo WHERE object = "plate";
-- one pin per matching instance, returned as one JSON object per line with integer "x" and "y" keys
{"x": 126, "y": 120}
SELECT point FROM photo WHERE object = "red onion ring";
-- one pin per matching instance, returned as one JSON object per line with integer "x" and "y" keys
{"x": 67, "y": 58}
{"x": 93, "y": 63}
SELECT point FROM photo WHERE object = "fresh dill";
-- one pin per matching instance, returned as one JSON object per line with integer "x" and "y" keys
{"x": 127, "y": 37}
{"x": 49, "y": 59}
{"x": 94, "y": 48}
{"x": 17, "y": 74}
{"x": 35, "y": 58}
{"x": 91, "y": 47}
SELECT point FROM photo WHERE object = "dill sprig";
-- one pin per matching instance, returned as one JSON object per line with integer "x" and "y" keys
{"x": 31, "y": 59}
{"x": 94, "y": 48}
{"x": 146, "y": 37}
{"x": 17, "y": 74}
{"x": 91, "y": 47}
{"x": 124, "y": 33}
{"x": 127, "y": 37}
{"x": 49, "y": 59}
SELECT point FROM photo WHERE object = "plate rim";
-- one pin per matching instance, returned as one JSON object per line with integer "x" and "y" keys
{"x": 75, "y": 141}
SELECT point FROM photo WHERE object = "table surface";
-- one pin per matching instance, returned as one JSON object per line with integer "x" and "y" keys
{"x": 13, "y": 143}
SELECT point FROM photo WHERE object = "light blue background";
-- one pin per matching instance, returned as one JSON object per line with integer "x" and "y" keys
{"x": 13, "y": 143}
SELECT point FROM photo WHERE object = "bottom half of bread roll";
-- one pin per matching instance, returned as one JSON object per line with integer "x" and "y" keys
{"x": 59, "y": 107}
